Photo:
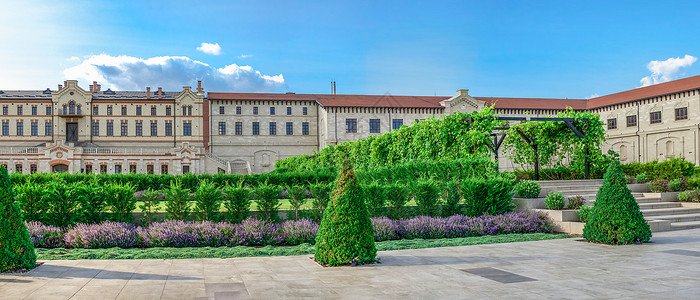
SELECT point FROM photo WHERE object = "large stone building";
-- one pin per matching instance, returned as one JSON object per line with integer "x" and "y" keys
{"x": 152, "y": 131}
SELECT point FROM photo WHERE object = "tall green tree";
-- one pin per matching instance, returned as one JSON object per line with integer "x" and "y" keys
{"x": 16, "y": 249}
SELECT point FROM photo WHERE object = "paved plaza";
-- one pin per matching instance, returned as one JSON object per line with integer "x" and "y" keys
{"x": 669, "y": 268}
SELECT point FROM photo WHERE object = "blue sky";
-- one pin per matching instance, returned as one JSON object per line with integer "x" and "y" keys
{"x": 557, "y": 49}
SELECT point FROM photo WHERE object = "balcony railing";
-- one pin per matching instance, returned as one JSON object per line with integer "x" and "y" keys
{"x": 75, "y": 114}
{"x": 19, "y": 150}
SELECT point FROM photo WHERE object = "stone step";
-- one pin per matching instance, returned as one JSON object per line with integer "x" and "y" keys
{"x": 575, "y": 192}
{"x": 654, "y": 205}
{"x": 688, "y": 217}
{"x": 572, "y": 187}
{"x": 570, "y": 182}
{"x": 647, "y": 199}
{"x": 670, "y": 211}
{"x": 685, "y": 225}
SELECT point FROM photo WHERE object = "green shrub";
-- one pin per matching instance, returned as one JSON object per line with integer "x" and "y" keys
{"x": 427, "y": 196}
{"x": 436, "y": 169}
{"x": 62, "y": 204}
{"x": 177, "y": 201}
{"x": 669, "y": 169}
{"x": 678, "y": 184}
{"x": 121, "y": 201}
{"x": 16, "y": 249}
{"x": 345, "y": 234}
{"x": 527, "y": 189}
{"x": 150, "y": 202}
{"x": 31, "y": 199}
{"x": 584, "y": 213}
{"x": 92, "y": 201}
{"x": 555, "y": 200}
{"x": 576, "y": 202}
{"x": 684, "y": 196}
{"x": 451, "y": 196}
{"x": 321, "y": 192}
{"x": 658, "y": 186}
{"x": 375, "y": 195}
{"x": 237, "y": 203}
{"x": 690, "y": 196}
{"x": 297, "y": 198}
{"x": 397, "y": 196}
{"x": 487, "y": 196}
{"x": 268, "y": 201}
{"x": 694, "y": 183}
{"x": 642, "y": 178}
{"x": 629, "y": 179}
{"x": 207, "y": 201}
{"x": 616, "y": 218}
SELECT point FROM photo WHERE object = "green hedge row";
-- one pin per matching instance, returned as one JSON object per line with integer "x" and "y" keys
{"x": 669, "y": 169}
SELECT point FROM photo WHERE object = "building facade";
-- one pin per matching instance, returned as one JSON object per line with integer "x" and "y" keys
{"x": 95, "y": 131}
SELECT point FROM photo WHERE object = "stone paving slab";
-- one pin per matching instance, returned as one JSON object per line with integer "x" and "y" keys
{"x": 667, "y": 268}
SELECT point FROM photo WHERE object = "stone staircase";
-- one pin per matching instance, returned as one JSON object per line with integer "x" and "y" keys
{"x": 661, "y": 214}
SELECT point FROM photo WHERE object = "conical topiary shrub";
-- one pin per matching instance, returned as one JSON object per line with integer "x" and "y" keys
{"x": 16, "y": 249}
{"x": 345, "y": 233}
{"x": 616, "y": 218}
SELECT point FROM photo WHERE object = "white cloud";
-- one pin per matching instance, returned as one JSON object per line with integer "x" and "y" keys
{"x": 208, "y": 48}
{"x": 595, "y": 95}
{"x": 171, "y": 73}
{"x": 73, "y": 59}
{"x": 667, "y": 70}
{"x": 242, "y": 56}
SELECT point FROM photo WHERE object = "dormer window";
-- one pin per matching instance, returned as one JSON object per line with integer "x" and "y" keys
{"x": 109, "y": 92}
{"x": 47, "y": 91}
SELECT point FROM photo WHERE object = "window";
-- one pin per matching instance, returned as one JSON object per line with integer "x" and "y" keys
{"x": 18, "y": 168}
{"x": 139, "y": 129}
{"x": 184, "y": 110}
{"x": 103, "y": 169}
{"x": 255, "y": 110}
{"x": 185, "y": 169}
{"x": 612, "y": 124}
{"x": 95, "y": 110}
{"x": 655, "y": 117}
{"x": 221, "y": 110}
{"x": 168, "y": 112}
{"x": 5, "y": 128}
{"x": 187, "y": 129}
{"x": 88, "y": 169}
{"x": 5, "y": 110}
{"x": 272, "y": 110}
{"x": 256, "y": 128}
{"x": 71, "y": 107}
{"x": 154, "y": 128}
{"x": 19, "y": 110}
{"x": 289, "y": 111}
{"x": 396, "y": 123}
{"x": 149, "y": 169}
{"x": 189, "y": 110}
{"x": 168, "y": 129}
{"x": 238, "y": 110}
{"x": 374, "y": 125}
{"x": 123, "y": 110}
{"x": 163, "y": 169}
{"x": 681, "y": 113}
{"x": 239, "y": 128}
{"x": 290, "y": 128}
{"x": 138, "y": 110}
{"x": 110, "y": 128}
{"x": 117, "y": 169}
{"x": 305, "y": 128}
{"x": 35, "y": 128}
{"x": 48, "y": 110}
{"x": 20, "y": 128}
{"x": 132, "y": 168}
{"x": 222, "y": 128}
{"x": 631, "y": 121}
{"x": 109, "y": 110}
{"x": 305, "y": 111}
{"x": 273, "y": 128}
{"x": 351, "y": 125}
{"x": 153, "y": 110}
{"x": 125, "y": 128}
{"x": 95, "y": 128}
{"x": 48, "y": 128}
{"x": 34, "y": 111}
{"x": 32, "y": 168}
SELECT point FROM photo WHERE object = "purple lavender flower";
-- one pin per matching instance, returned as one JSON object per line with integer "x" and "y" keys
{"x": 44, "y": 236}
{"x": 107, "y": 234}
{"x": 386, "y": 229}
{"x": 299, "y": 231}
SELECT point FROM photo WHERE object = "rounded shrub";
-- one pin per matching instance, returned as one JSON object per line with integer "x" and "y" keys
{"x": 554, "y": 200}
{"x": 576, "y": 202}
{"x": 642, "y": 178}
{"x": 491, "y": 196}
{"x": 678, "y": 184}
{"x": 345, "y": 234}
{"x": 16, "y": 249}
{"x": 584, "y": 213}
{"x": 658, "y": 186}
{"x": 616, "y": 218}
{"x": 684, "y": 196}
{"x": 527, "y": 189}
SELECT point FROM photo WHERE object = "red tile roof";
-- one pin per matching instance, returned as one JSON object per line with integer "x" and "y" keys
{"x": 327, "y": 100}
{"x": 533, "y": 103}
{"x": 659, "y": 89}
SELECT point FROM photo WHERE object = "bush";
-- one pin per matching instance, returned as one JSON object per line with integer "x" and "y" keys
{"x": 256, "y": 232}
{"x": 207, "y": 201}
{"x": 678, "y": 184}
{"x": 616, "y": 218}
{"x": 669, "y": 169}
{"x": 30, "y": 197}
{"x": 690, "y": 196}
{"x": 299, "y": 231}
{"x": 297, "y": 198}
{"x": 121, "y": 201}
{"x": 321, "y": 192}
{"x": 375, "y": 197}
{"x": 150, "y": 202}
{"x": 45, "y": 236}
{"x": 268, "y": 202}
{"x": 104, "y": 235}
{"x": 487, "y": 196}
{"x": 584, "y": 213}
{"x": 642, "y": 178}
{"x": 694, "y": 183}
{"x": 427, "y": 196}
{"x": 658, "y": 186}
{"x": 684, "y": 196}
{"x": 397, "y": 196}
{"x": 61, "y": 202}
{"x": 576, "y": 202}
{"x": 451, "y": 196}
{"x": 178, "y": 233}
{"x": 629, "y": 179}
{"x": 16, "y": 249}
{"x": 345, "y": 234}
{"x": 386, "y": 229}
{"x": 92, "y": 201}
{"x": 177, "y": 201}
{"x": 237, "y": 203}
{"x": 461, "y": 226}
{"x": 527, "y": 189}
{"x": 555, "y": 200}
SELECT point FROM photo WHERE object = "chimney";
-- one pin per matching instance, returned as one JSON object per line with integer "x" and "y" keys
{"x": 148, "y": 92}
{"x": 199, "y": 86}
{"x": 160, "y": 93}
{"x": 98, "y": 88}
{"x": 95, "y": 87}
{"x": 60, "y": 87}
{"x": 65, "y": 83}
{"x": 92, "y": 88}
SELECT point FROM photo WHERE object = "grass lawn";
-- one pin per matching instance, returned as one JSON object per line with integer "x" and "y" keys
{"x": 254, "y": 205}
{"x": 244, "y": 251}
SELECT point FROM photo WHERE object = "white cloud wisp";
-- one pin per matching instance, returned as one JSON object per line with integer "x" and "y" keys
{"x": 208, "y": 48}
{"x": 171, "y": 73}
{"x": 667, "y": 70}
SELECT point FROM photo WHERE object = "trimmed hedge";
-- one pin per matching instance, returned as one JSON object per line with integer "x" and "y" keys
{"x": 16, "y": 249}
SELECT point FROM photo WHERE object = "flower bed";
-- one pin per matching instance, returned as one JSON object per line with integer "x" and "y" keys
{"x": 254, "y": 232}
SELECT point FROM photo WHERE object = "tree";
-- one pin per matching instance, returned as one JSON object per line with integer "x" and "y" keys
{"x": 345, "y": 234}
{"x": 16, "y": 249}
{"x": 616, "y": 218}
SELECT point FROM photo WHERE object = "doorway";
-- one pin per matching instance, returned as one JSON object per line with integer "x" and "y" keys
{"x": 71, "y": 132}
{"x": 59, "y": 168}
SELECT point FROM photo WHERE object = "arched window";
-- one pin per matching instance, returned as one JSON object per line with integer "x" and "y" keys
{"x": 71, "y": 107}
{"x": 79, "y": 108}
{"x": 64, "y": 109}
{"x": 669, "y": 149}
